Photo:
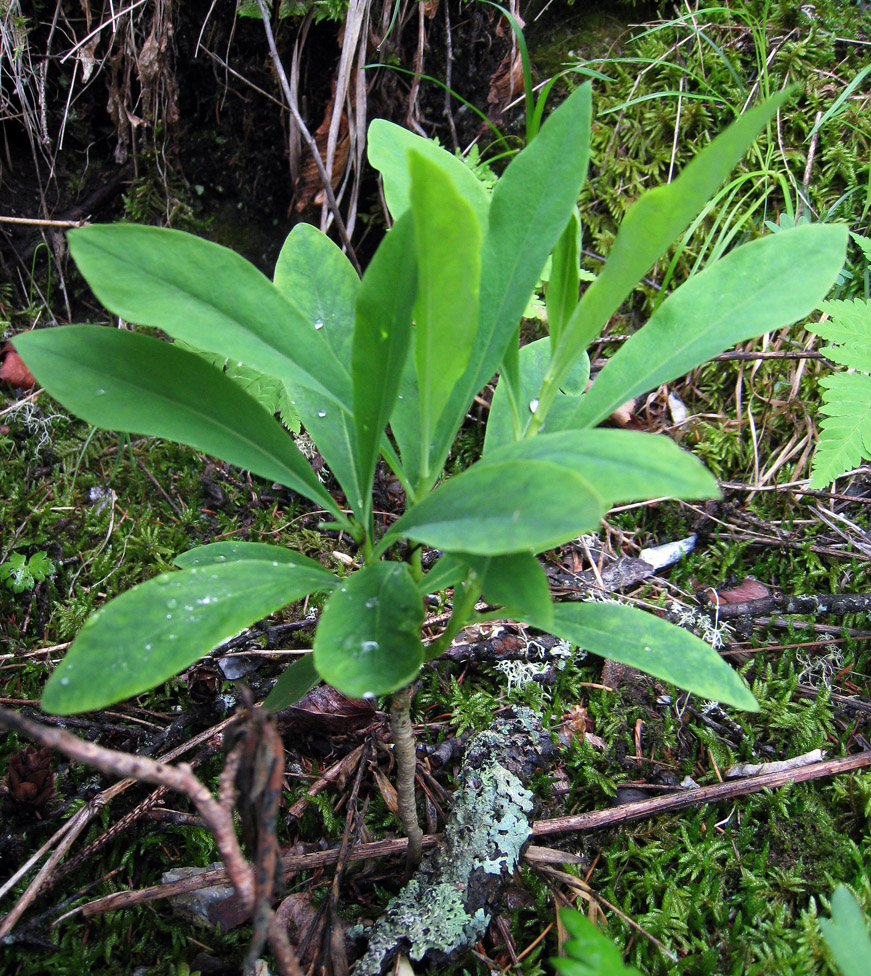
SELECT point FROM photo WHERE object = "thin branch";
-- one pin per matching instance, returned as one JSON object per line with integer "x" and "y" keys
{"x": 178, "y": 778}
{"x": 312, "y": 145}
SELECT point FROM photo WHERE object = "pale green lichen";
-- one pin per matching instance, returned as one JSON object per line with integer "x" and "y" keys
{"x": 486, "y": 834}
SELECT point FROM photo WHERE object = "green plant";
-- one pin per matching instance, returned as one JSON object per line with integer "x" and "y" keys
{"x": 20, "y": 573}
{"x": 846, "y": 933}
{"x": 435, "y": 315}
{"x": 589, "y": 952}
{"x": 845, "y": 435}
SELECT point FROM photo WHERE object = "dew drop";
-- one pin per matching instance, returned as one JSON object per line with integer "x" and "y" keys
{"x": 99, "y": 392}
{"x": 147, "y": 647}
{"x": 169, "y": 616}
{"x": 369, "y": 695}
{"x": 171, "y": 604}
{"x": 372, "y": 602}
{"x": 369, "y": 646}
{"x": 171, "y": 636}
{"x": 64, "y": 681}
{"x": 222, "y": 559}
{"x": 319, "y": 325}
{"x": 533, "y": 406}
{"x": 274, "y": 562}
{"x": 161, "y": 580}
{"x": 322, "y": 413}
{"x": 401, "y": 397}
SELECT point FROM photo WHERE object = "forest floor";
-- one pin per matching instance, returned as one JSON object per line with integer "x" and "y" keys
{"x": 710, "y": 871}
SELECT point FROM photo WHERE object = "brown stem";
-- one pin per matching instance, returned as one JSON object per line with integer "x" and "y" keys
{"x": 179, "y": 778}
{"x": 406, "y": 764}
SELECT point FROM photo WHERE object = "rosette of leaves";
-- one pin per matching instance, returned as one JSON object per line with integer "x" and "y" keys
{"x": 388, "y": 366}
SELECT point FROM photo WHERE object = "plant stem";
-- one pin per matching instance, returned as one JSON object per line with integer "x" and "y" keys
{"x": 406, "y": 764}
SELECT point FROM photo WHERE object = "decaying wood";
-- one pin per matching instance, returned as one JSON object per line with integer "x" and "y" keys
{"x": 448, "y": 904}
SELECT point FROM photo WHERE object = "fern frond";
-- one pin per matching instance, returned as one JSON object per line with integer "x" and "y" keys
{"x": 864, "y": 244}
{"x": 845, "y": 432}
{"x": 850, "y": 327}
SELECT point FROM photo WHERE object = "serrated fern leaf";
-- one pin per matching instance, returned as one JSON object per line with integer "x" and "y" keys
{"x": 849, "y": 326}
{"x": 845, "y": 431}
{"x": 864, "y": 244}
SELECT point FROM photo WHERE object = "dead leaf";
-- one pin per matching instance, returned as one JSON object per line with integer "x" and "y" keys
{"x": 324, "y": 709}
{"x": 746, "y": 590}
{"x": 13, "y": 369}
{"x": 303, "y": 921}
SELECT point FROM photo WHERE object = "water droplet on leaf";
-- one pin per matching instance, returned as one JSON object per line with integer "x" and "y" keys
{"x": 318, "y": 325}
{"x": 533, "y": 406}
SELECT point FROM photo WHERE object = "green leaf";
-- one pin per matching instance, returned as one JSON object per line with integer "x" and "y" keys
{"x": 448, "y": 571}
{"x": 759, "y": 286}
{"x": 850, "y": 326}
{"x": 216, "y": 553}
{"x": 655, "y": 221}
{"x": 501, "y": 507}
{"x": 653, "y": 645}
{"x": 388, "y": 145}
{"x": 316, "y": 276}
{"x": 208, "y": 296}
{"x": 525, "y": 224}
{"x": 589, "y": 952}
{"x": 845, "y": 430}
{"x": 624, "y": 465}
{"x": 846, "y": 933}
{"x": 447, "y": 238}
{"x": 534, "y": 360}
{"x": 21, "y": 574}
{"x": 123, "y": 381}
{"x": 159, "y": 628}
{"x": 516, "y": 582}
{"x": 561, "y": 296}
{"x": 368, "y": 639}
{"x": 380, "y": 347}
{"x": 269, "y": 392}
{"x": 296, "y": 681}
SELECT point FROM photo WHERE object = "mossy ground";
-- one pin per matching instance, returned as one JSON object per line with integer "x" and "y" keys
{"x": 730, "y": 890}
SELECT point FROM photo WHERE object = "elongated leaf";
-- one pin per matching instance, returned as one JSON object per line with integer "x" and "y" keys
{"x": 448, "y": 571}
{"x": 624, "y": 465}
{"x": 656, "y": 220}
{"x": 206, "y": 295}
{"x": 516, "y": 582}
{"x": 447, "y": 237}
{"x": 368, "y": 640}
{"x": 123, "y": 381}
{"x": 653, "y": 645}
{"x": 158, "y": 628}
{"x": 216, "y": 553}
{"x": 388, "y": 145}
{"x": 561, "y": 297}
{"x": 496, "y": 508}
{"x": 382, "y": 335}
{"x": 757, "y": 287}
{"x": 846, "y": 933}
{"x": 534, "y": 360}
{"x": 296, "y": 681}
{"x": 525, "y": 224}
{"x": 845, "y": 430}
{"x": 316, "y": 276}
